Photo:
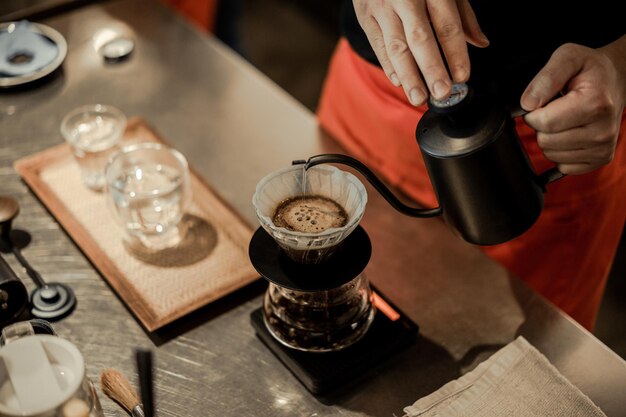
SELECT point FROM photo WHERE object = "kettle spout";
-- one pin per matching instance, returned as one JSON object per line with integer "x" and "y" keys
{"x": 331, "y": 158}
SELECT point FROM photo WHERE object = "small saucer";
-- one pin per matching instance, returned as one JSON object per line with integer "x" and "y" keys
{"x": 50, "y": 34}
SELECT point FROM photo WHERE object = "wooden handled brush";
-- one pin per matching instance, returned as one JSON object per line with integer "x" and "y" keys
{"x": 115, "y": 385}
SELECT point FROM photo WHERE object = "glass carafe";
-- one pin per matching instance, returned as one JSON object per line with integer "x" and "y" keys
{"x": 319, "y": 320}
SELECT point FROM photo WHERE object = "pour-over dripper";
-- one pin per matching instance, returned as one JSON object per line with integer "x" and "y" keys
{"x": 326, "y": 181}
{"x": 315, "y": 308}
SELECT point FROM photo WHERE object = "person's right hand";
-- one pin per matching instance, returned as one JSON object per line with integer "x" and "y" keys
{"x": 401, "y": 35}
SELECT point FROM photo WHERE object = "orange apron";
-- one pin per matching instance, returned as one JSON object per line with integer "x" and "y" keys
{"x": 199, "y": 12}
{"x": 566, "y": 256}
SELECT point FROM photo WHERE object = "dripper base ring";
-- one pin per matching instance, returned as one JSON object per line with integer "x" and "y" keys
{"x": 350, "y": 259}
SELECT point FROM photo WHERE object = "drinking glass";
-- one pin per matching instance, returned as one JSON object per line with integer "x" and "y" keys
{"x": 94, "y": 132}
{"x": 149, "y": 190}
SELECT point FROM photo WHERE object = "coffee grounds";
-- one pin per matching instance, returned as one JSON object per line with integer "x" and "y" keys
{"x": 310, "y": 214}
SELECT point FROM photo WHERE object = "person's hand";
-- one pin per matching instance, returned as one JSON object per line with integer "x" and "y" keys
{"x": 579, "y": 130}
{"x": 401, "y": 35}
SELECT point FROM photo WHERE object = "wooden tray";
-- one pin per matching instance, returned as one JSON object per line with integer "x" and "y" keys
{"x": 158, "y": 288}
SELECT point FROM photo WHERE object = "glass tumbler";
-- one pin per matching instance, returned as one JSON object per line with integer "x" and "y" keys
{"x": 149, "y": 190}
{"x": 94, "y": 132}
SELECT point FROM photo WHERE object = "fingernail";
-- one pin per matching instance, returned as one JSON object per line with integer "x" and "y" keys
{"x": 440, "y": 89}
{"x": 417, "y": 96}
{"x": 394, "y": 79}
{"x": 530, "y": 101}
{"x": 460, "y": 74}
{"x": 483, "y": 38}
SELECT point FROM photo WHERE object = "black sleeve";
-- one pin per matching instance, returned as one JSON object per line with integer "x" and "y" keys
{"x": 522, "y": 37}
{"x": 351, "y": 30}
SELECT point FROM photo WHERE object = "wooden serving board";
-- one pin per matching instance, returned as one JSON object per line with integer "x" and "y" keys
{"x": 158, "y": 287}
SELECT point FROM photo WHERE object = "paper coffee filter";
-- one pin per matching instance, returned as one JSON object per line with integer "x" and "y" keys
{"x": 341, "y": 187}
{"x": 323, "y": 180}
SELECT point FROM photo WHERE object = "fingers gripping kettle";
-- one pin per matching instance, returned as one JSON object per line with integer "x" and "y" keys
{"x": 487, "y": 190}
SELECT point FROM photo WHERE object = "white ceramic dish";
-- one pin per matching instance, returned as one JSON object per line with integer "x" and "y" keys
{"x": 52, "y": 35}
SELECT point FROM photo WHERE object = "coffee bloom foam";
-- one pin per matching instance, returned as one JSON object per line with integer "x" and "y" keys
{"x": 311, "y": 214}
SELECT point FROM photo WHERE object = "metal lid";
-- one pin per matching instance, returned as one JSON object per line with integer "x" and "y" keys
{"x": 457, "y": 95}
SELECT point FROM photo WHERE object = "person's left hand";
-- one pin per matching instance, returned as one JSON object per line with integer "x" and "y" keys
{"x": 579, "y": 130}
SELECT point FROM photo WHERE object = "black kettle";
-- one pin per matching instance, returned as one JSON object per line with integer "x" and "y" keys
{"x": 487, "y": 190}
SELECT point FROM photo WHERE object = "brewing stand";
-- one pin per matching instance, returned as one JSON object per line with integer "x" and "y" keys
{"x": 325, "y": 372}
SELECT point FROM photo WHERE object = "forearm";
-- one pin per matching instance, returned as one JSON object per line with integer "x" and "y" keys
{"x": 616, "y": 52}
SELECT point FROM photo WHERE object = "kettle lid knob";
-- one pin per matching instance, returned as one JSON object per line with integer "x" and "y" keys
{"x": 459, "y": 92}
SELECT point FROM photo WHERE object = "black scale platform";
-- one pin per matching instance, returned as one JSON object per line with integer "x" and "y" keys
{"x": 323, "y": 372}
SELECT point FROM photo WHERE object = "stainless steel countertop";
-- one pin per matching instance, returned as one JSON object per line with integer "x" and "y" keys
{"x": 235, "y": 126}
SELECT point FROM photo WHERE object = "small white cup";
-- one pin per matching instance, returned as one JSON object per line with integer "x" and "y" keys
{"x": 94, "y": 132}
{"x": 44, "y": 376}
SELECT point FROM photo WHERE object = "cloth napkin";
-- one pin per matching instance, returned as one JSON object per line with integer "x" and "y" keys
{"x": 515, "y": 381}
{"x": 22, "y": 38}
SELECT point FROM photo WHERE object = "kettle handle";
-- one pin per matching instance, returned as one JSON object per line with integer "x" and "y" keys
{"x": 331, "y": 158}
{"x": 551, "y": 174}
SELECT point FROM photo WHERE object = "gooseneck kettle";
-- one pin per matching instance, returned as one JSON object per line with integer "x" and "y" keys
{"x": 487, "y": 190}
